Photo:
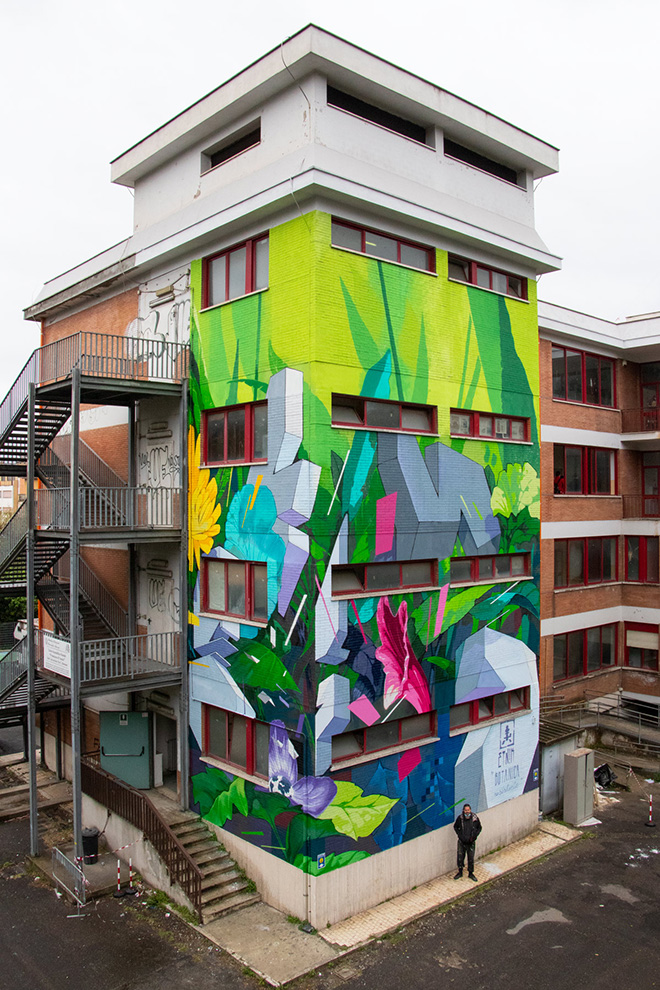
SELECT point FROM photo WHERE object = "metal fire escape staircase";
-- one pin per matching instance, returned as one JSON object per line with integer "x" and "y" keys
{"x": 111, "y": 370}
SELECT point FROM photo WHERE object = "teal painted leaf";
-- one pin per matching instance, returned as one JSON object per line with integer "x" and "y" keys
{"x": 354, "y": 813}
{"x": 446, "y": 668}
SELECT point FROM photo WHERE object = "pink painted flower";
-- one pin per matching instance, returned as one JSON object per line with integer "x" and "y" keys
{"x": 404, "y": 677}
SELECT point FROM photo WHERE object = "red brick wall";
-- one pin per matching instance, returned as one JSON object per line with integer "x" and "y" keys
{"x": 111, "y": 567}
{"x": 111, "y": 316}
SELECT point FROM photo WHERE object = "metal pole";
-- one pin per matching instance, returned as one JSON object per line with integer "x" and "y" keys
{"x": 29, "y": 595}
{"x": 184, "y": 749}
{"x": 74, "y": 616}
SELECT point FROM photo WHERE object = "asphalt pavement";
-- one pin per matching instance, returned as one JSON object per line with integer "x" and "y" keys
{"x": 587, "y": 916}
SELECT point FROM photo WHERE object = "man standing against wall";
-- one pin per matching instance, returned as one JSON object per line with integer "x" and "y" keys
{"x": 467, "y": 827}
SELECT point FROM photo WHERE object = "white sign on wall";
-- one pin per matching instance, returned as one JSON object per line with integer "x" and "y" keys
{"x": 57, "y": 655}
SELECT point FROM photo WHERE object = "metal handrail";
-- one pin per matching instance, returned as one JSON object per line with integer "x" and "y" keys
{"x": 102, "y": 600}
{"x": 111, "y": 508}
{"x": 129, "y": 656}
{"x": 97, "y": 355}
{"x": 593, "y": 709}
{"x": 13, "y": 534}
{"x": 13, "y": 666}
{"x": 92, "y": 467}
{"x": 135, "y": 807}
{"x": 53, "y": 597}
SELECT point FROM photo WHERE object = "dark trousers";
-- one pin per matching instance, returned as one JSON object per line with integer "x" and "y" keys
{"x": 463, "y": 848}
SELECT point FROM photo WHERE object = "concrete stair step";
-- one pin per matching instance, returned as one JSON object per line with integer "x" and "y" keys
{"x": 233, "y": 903}
{"x": 218, "y": 864}
{"x": 208, "y": 857}
{"x": 200, "y": 847}
{"x": 232, "y": 885}
{"x": 194, "y": 835}
{"x": 212, "y": 879}
{"x": 188, "y": 828}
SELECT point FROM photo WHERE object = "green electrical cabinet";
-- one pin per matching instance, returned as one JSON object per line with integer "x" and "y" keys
{"x": 126, "y": 747}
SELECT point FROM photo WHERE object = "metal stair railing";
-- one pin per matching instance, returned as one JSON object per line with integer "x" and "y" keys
{"x": 136, "y": 808}
{"x": 13, "y": 535}
{"x": 13, "y": 667}
{"x": 55, "y": 599}
{"x": 102, "y": 600}
{"x": 97, "y": 355}
{"x": 111, "y": 508}
{"x": 129, "y": 656}
{"x": 16, "y": 397}
{"x": 56, "y": 460}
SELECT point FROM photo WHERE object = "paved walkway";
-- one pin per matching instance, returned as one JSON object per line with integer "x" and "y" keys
{"x": 274, "y": 948}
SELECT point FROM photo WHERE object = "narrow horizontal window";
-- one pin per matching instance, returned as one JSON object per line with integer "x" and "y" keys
{"x": 583, "y": 651}
{"x": 474, "y": 273}
{"x": 592, "y": 560}
{"x": 352, "y": 579}
{"x": 235, "y": 588}
{"x": 584, "y": 470}
{"x": 489, "y": 708}
{"x": 377, "y": 414}
{"x": 376, "y": 115}
{"x": 384, "y": 246}
{"x": 235, "y": 272}
{"x": 581, "y": 377}
{"x": 488, "y": 426}
{"x": 231, "y": 147}
{"x": 235, "y": 434}
{"x": 495, "y": 567}
{"x": 235, "y": 739}
{"x": 642, "y": 559}
{"x": 482, "y": 162}
{"x": 383, "y": 735}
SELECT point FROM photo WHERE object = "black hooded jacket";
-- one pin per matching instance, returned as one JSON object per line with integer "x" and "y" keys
{"x": 467, "y": 829}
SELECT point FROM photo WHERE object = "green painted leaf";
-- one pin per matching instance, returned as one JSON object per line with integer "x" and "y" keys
{"x": 259, "y": 667}
{"x": 303, "y": 828}
{"x": 354, "y": 813}
{"x": 223, "y": 806}
{"x": 207, "y": 786}
{"x": 446, "y": 667}
{"x": 333, "y": 861}
{"x": 267, "y": 806}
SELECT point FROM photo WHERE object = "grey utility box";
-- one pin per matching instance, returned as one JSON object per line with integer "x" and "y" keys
{"x": 578, "y": 786}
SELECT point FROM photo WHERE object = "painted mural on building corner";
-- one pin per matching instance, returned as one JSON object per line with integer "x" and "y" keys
{"x": 352, "y": 691}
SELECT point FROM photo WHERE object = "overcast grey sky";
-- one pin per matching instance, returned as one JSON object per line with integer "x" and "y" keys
{"x": 83, "y": 81}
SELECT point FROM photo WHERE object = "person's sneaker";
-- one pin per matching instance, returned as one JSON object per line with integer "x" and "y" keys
{"x": 472, "y": 877}
{"x": 458, "y": 875}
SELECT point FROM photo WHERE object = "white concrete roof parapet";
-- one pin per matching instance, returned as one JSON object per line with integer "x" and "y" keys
{"x": 313, "y": 49}
{"x": 636, "y": 337}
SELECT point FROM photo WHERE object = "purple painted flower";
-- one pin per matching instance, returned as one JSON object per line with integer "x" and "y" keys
{"x": 404, "y": 677}
{"x": 313, "y": 794}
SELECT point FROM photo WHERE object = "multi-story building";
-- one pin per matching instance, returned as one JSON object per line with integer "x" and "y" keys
{"x": 351, "y": 253}
{"x": 600, "y": 464}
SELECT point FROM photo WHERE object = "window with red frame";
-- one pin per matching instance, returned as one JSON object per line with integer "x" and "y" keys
{"x": 578, "y": 653}
{"x": 501, "y": 566}
{"x": 377, "y": 414}
{"x": 242, "y": 742}
{"x": 584, "y": 470}
{"x": 581, "y": 377}
{"x": 642, "y": 559}
{"x": 355, "y": 579}
{"x": 350, "y": 745}
{"x": 463, "y": 270}
{"x": 486, "y": 709}
{"x": 384, "y": 246}
{"x": 236, "y": 588}
{"x": 641, "y": 646}
{"x": 591, "y": 560}
{"x": 235, "y": 272}
{"x": 236, "y": 434}
{"x": 488, "y": 426}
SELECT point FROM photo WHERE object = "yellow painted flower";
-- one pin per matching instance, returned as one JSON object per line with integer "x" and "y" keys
{"x": 204, "y": 509}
